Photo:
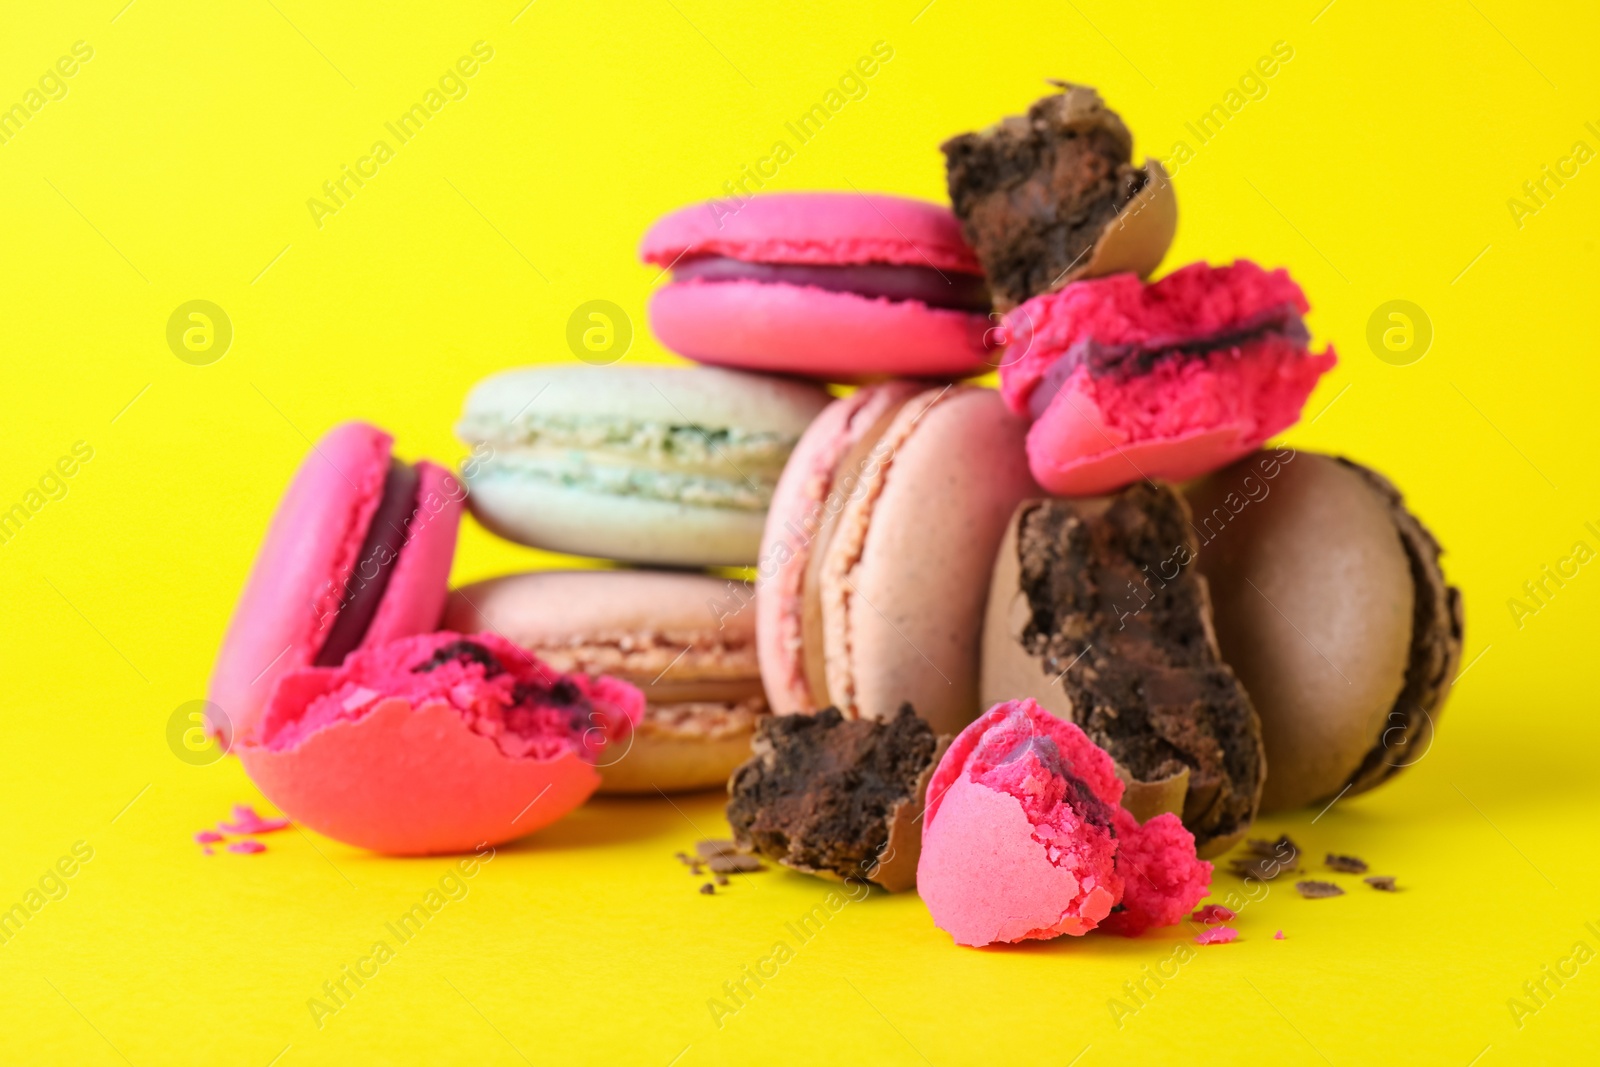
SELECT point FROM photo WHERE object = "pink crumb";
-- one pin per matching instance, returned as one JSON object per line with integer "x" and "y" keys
{"x": 209, "y": 851}
{"x": 1278, "y": 936}
{"x": 207, "y": 837}
{"x": 246, "y": 821}
{"x": 1213, "y": 913}
{"x": 1217, "y": 935}
{"x": 247, "y": 847}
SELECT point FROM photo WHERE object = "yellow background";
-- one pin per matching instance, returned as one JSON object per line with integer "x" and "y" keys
{"x": 1378, "y": 166}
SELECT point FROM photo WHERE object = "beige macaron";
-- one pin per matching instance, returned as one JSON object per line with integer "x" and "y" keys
{"x": 1330, "y": 605}
{"x": 687, "y": 640}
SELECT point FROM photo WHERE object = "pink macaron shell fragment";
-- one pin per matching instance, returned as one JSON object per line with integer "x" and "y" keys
{"x": 310, "y": 549}
{"x": 247, "y": 847}
{"x": 410, "y": 749}
{"x": 1217, "y": 935}
{"x": 1278, "y": 936}
{"x": 800, "y": 329}
{"x": 1214, "y": 913}
{"x": 828, "y": 228}
{"x": 1017, "y": 841}
{"x": 208, "y": 837}
{"x": 1184, "y": 418}
{"x": 246, "y": 820}
{"x": 1163, "y": 878}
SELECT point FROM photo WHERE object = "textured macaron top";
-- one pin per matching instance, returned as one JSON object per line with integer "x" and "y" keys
{"x": 830, "y": 228}
{"x": 1197, "y": 303}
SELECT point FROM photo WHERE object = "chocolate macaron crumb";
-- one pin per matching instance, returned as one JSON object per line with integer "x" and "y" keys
{"x": 836, "y": 797}
{"x": 716, "y": 846}
{"x": 1314, "y": 890}
{"x": 708, "y": 889}
{"x": 721, "y": 879}
{"x": 1438, "y": 624}
{"x": 734, "y": 863}
{"x": 1346, "y": 864}
{"x": 1383, "y": 882}
{"x": 1120, "y": 618}
{"x": 1265, "y": 860}
{"x": 1036, "y": 192}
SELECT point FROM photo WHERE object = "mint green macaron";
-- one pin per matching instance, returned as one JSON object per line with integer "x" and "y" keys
{"x": 641, "y": 464}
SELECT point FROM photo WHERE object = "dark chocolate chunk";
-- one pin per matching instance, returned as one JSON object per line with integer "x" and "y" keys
{"x": 1035, "y": 192}
{"x": 818, "y": 792}
{"x": 1314, "y": 890}
{"x": 1119, "y": 616}
{"x": 1346, "y": 864}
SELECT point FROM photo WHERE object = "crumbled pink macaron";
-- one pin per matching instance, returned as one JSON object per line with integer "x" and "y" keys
{"x": 1214, "y": 913}
{"x": 435, "y": 743}
{"x": 1278, "y": 936}
{"x": 247, "y": 821}
{"x": 1217, "y": 935}
{"x": 208, "y": 837}
{"x": 1024, "y": 838}
{"x": 248, "y": 846}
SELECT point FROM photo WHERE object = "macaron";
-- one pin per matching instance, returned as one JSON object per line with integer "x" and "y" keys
{"x": 644, "y": 464}
{"x": 1331, "y": 606}
{"x": 837, "y": 286}
{"x": 358, "y": 553}
{"x": 436, "y": 743}
{"x": 1096, "y": 611}
{"x": 835, "y": 797}
{"x": 687, "y": 641}
{"x": 1052, "y": 196}
{"x": 874, "y": 569}
{"x": 1024, "y": 838}
{"x": 1172, "y": 379}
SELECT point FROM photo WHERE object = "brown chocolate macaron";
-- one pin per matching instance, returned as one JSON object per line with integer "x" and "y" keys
{"x": 836, "y": 797}
{"x": 1096, "y": 612}
{"x": 687, "y": 640}
{"x": 1332, "y": 608}
{"x": 1053, "y": 195}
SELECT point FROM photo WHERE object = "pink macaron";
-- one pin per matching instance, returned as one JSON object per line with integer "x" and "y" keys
{"x": 358, "y": 553}
{"x": 1171, "y": 379}
{"x": 837, "y": 286}
{"x": 436, "y": 743}
{"x": 1024, "y": 838}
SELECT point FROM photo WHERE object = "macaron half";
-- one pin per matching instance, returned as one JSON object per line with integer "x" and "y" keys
{"x": 687, "y": 641}
{"x": 875, "y": 564}
{"x": 644, "y": 464}
{"x": 837, "y": 286}
{"x": 1332, "y": 607}
{"x": 1172, "y": 379}
{"x": 358, "y": 553}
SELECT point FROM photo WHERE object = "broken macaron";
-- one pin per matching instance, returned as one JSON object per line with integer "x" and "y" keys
{"x": 436, "y": 743}
{"x": 1024, "y": 838}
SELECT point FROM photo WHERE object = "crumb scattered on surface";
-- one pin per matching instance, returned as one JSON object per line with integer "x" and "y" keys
{"x": 1213, "y": 913}
{"x": 722, "y": 879}
{"x": 708, "y": 889}
{"x": 1278, "y": 936}
{"x": 716, "y": 846}
{"x": 1314, "y": 890}
{"x": 734, "y": 863}
{"x": 1217, "y": 935}
{"x": 1264, "y": 860}
{"x": 1346, "y": 864}
{"x": 1384, "y": 882}
{"x": 247, "y": 847}
{"x": 208, "y": 837}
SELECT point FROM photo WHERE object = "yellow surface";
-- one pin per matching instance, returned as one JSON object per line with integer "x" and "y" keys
{"x": 177, "y": 166}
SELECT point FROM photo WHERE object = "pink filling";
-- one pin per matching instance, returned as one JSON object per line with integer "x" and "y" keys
{"x": 1164, "y": 878}
{"x": 501, "y": 692}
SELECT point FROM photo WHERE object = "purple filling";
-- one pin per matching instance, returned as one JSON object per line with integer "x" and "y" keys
{"x": 374, "y": 566}
{"x": 1127, "y": 361}
{"x": 889, "y": 281}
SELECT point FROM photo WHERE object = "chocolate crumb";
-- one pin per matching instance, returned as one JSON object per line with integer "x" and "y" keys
{"x": 734, "y": 864}
{"x": 1283, "y": 847}
{"x": 1346, "y": 864}
{"x": 1313, "y": 890}
{"x": 1265, "y": 860}
{"x": 722, "y": 879}
{"x": 716, "y": 846}
{"x": 708, "y": 889}
{"x": 1385, "y": 882}
{"x": 696, "y": 869}
{"x": 682, "y": 857}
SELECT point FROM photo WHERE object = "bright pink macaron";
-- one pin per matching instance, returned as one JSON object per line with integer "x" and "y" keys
{"x": 358, "y": 553}
{"x": 837, "y": 286}
{"x": 1171, "y": 379}
{"x": 436, "y": 743}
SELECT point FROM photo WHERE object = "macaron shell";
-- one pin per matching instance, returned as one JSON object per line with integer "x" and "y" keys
{"x": 636, "y": 529}
{"x": 305, "y": 560}
{"x": 427, "y": 784}
{"x": 1313, "y": 598}
{"x": 906, "y": 579}
{"x": 414, "y": 598}
{"x": 798, "y": 329}
{"x": 820, "y": 228}
{"x": 809, "y": 492}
